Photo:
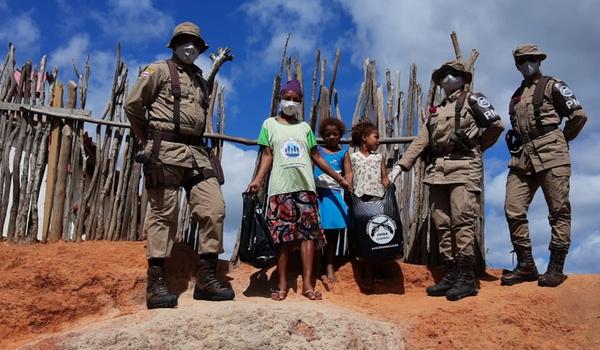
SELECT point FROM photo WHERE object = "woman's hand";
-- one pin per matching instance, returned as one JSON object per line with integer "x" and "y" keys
{"x": 266, "y": 160}
{"x": 254, "y": 186}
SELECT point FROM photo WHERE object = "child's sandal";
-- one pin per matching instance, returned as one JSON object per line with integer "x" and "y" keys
{"x": 313, "y": 294}
{"x": 277, "y": 294}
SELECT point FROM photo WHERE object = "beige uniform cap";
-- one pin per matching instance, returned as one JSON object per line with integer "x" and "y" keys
{"x": 455, "y": 65}
{"x": 188, "y": 28}
{"x": 528, "y": 50}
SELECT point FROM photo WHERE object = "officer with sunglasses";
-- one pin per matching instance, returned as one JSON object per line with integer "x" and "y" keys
{"x": 540, "y": 158}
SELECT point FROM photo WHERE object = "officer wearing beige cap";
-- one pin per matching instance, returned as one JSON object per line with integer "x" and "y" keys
{"x": 167, "y": 110}
{"x": 540, "y": 158}
{"x": 453, "y": 139}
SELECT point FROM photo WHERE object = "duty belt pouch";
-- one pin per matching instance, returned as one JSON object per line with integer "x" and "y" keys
{"x": 215, "y": 162}
{"x": 154, "y": 173}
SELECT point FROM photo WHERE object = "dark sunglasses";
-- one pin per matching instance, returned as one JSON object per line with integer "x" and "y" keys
{"x": 523, "y": 59}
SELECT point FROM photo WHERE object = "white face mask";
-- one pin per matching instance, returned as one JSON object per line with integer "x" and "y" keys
{"x": 187, "y": 53}
{"x": 290, "y": 108}
{"x": 451, "y": 83}
{"x": 529, "y": 69}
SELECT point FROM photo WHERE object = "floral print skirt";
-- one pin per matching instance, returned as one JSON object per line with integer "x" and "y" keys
{"x": 294, "y": 217}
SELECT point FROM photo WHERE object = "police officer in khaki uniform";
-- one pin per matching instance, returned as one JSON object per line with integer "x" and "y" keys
{"x": 453, "y": 140}
{"x": 540, "y": 158}
{"x": 167, "y": 111}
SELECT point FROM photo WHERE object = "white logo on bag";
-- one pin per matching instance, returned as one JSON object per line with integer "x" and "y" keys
{"x": 381, "y": 229}
{"x": 291, "y": 149}
{"x": 565, "y": 91}
{"x": 483, "y": 102}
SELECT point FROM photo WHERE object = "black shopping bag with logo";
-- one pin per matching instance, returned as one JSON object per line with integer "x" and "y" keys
{"x": 375, "y": 227}
{"x": 256, "y": 245}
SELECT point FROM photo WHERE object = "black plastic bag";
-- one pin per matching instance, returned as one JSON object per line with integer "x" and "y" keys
{"x": 256, "y": 245}
{"x": 375, "y": 228}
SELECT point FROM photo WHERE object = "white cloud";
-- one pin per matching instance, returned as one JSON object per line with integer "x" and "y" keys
{"x": 237, "y": 167}
{"x": 397, "y": 33}
{"x": 272, "y": 20}
{"x": 585, "y": 226}
{"x": 22, "y": 31}
{"x": 134, "y": 21}
{"x": 102, "y": 66}
{"x": 584, "y": 256}
{"x": 75, "y": 50}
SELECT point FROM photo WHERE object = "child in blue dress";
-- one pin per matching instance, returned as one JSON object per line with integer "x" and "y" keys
{"x": 333, "y": 209}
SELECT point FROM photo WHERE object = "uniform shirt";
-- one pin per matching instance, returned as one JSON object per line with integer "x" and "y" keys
{"x": 549, "y": 150}
{"x": 366, "y": 174}
{"x": 150, "y": 105}
{"x": 291, "y": 144}
{"x": 438, "y": 131}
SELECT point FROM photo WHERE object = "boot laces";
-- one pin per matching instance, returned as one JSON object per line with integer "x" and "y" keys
{"x": 451, "y": 275}
{"x": 159, "y": 287}
{"x": 212, "y": 281}
{"x": 557, "y": 261}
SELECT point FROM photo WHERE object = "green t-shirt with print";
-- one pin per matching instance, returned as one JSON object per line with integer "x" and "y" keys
{"x": 291, "y": 144}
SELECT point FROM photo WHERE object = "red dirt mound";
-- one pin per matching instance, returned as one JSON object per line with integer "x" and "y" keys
{"x": 45, "y": 287}
{"x": 56, "y": 287}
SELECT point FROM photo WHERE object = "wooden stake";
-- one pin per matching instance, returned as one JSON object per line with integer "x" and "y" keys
{"x": 313, "y": 108}
{"x": 62, "y": 173}
{"x": 456, "y": 45}
{"x": 53, "y": 149}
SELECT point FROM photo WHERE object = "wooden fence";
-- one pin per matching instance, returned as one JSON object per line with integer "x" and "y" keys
{"x": 93, "y": 187}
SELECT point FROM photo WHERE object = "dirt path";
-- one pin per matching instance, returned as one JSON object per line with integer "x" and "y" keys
{"x": 92, "y": 294}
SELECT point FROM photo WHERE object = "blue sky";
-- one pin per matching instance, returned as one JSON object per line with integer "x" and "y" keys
{"x": 395, "y": 33}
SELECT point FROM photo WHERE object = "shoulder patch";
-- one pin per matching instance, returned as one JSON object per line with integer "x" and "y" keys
{"x": 147, "y": 72}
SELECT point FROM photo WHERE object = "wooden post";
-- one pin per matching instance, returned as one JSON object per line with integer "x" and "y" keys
{"x": 23, "y": 126}
{"x": 336, "y": 63}
{"x": 300, "y": 76}
{"x": 313, "y": 108}
{"x": 456, "y": 45}
{"x": 53, "y": 149}
{"x": 62, "y": 174}
{"x": 407, "y": 180}
{"x": 37, "y": 183}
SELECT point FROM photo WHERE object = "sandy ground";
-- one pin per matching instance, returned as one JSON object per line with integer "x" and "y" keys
{"x": 91, "y": 295}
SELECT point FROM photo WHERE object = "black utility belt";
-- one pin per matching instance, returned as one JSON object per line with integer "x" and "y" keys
{"x": 454, "y": 156}
{"x": 537, "y": 132}
{"x": 191, "y": 140}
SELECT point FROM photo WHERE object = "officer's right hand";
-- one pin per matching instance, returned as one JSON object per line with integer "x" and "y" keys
{"x": 254, "y": 186}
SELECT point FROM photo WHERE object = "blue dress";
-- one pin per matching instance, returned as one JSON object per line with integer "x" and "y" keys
{"x": 333, "y": 209}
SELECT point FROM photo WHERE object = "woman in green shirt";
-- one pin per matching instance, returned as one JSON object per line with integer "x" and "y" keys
{"x": 288, "y": 146}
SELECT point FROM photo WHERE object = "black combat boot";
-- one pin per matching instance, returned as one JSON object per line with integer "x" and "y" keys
{"x": 157, "y": 294}
{"x": 554, "y": 275}
{"x": 208, "y": 287}
{"x": 525, "y": 270}
{"x": 439, "y": 289}
{"x": 465, "y": 285}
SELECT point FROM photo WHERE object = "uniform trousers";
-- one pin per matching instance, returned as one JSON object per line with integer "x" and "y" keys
{"x": 207, "y": 207}
{"x": 454, "y": 211}
{"x": 521, "y": 188}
